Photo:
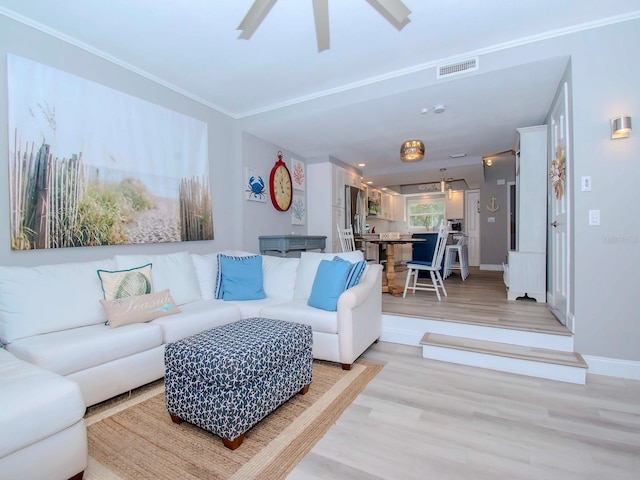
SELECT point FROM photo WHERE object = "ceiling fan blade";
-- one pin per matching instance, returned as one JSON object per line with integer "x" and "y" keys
{"x": 394, "y": 11}
{"x": 321, "y": 19}
{"x": 254, "y": 17}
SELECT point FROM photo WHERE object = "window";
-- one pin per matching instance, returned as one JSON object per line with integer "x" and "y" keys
{"x": 425, "y": 212}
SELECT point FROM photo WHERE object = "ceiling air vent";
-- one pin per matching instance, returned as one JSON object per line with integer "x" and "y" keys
{"x": 458, "y": 67}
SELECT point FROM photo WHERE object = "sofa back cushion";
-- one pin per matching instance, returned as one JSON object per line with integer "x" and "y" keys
{"x": 279, "y": 276}
{"x": 308, "y": 267}
{"x": 50, "y": 298}
{"x": 173, "y": 271}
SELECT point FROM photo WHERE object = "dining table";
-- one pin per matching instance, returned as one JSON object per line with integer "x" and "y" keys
{"x": 390, "y": 287}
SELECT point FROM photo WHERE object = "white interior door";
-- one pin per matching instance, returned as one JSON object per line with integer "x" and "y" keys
{"x": 472, "y": 225}
{"x": 559, "y": 228}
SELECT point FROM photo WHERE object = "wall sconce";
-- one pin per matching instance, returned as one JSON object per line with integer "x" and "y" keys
{"x": 412, "y": 151}
{"x": 620, "y": 127}
{"x": 488, "y": 162}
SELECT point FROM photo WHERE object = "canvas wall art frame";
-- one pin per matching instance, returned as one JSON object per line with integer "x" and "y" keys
{"x": 255, "y": 185}
{"x": 298, "y": 210}
{"x": 298, "y": 174}
{"x": 90, "y": 165}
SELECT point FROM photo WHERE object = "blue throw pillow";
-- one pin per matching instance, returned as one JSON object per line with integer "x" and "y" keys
{"x": 330, "y": 282}
{"x": 357, "y": 269}
{"x": 239, "y": 278}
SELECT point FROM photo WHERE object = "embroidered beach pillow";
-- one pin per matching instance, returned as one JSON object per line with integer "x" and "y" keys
{"x": 126, "y": 283}
{"x": 138, "y": 308}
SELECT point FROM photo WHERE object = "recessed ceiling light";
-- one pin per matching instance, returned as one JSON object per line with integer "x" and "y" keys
{"x": 362, "y": 164}
{"x": 383, "y": 188}
{"x": 439, "y": 108}
{"x": 457, "y": 155}
{"x": 369, "y": 183}
{"x": 424, "y": 111}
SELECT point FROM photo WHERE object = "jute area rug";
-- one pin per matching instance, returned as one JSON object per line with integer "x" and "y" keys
{"x": 134, "y": 437}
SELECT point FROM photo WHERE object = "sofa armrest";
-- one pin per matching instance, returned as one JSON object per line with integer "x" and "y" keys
{"x": 360, "y": 315}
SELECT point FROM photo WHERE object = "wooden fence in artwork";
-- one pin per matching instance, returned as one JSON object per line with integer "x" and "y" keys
{"x": 44, "y": 195}
{"x": 196, "y": 222}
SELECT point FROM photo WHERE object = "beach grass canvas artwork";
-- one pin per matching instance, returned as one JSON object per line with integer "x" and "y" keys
{"x": 91, "y": 166}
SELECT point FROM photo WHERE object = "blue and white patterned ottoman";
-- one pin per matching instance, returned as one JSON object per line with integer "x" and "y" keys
{"x": 227, "y": 379}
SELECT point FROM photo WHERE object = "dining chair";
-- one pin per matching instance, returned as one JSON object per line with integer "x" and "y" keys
{"x": 433, "y": 267}
{"x": 347, "y": 242}
{"x": 456, "y": 257}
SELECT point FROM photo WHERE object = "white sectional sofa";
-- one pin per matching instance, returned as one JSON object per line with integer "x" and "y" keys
{"x": 51, "y": 317}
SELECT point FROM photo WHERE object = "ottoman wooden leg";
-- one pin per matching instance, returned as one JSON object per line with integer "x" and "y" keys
{"x": 175, "y": 418}
{"x": 235, "y": 443}
{"x": 305, "y": 389}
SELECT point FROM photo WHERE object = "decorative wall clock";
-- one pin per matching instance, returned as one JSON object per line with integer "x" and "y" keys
{"x": 280, "y": 186}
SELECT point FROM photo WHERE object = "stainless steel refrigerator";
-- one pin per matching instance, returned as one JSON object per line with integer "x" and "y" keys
{"x": 355, "y": 212}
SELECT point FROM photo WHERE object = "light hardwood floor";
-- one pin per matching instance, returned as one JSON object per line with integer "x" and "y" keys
{"x": 423, "y": 419}
{"x": 480, "y": 299}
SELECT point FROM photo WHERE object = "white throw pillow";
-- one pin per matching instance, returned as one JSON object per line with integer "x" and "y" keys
{"x": 279, "y": 276}
{"x": 308, "y": 267}
{"x": 172, "y": 271}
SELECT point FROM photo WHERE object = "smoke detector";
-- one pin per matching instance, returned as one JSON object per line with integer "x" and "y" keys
{"x": 439, "y": 108}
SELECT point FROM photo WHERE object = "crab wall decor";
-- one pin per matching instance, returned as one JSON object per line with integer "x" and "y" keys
{"x": 255, "y": 186}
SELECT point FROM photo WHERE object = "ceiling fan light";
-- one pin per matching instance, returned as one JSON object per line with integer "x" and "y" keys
{"x": 412, "y": 151}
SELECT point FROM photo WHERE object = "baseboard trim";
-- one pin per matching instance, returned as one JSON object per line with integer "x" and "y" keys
{"x": 489, "y": 266}
{"x": 613, "y": 367}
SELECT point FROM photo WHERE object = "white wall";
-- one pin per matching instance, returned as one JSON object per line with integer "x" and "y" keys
{"x": 605, "y": 70}
{"x": 224, "y": 162}
{"x": 262, "y": 218}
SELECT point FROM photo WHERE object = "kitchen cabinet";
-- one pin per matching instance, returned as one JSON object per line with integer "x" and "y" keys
{"x": 525, "y": 273}
{"x": 337, "y": 188}
{"x": 326, "y": 200}
{"x": 399, "y": 207}
{"x": 454, "y": 206}
{"x": 386, "y": 206}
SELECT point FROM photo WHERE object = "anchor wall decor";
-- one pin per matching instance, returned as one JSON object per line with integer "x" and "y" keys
{"x": 493, "y": 204}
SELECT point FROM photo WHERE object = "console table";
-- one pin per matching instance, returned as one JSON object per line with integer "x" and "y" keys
{"x": 286, "y": 243}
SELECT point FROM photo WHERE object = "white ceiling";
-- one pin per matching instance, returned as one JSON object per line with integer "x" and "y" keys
{"x": 357, "y": 101}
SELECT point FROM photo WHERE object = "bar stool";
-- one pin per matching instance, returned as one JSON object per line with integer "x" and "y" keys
{"x": 457, "y": 257}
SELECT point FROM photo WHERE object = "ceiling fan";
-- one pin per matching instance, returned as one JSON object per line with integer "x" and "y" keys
{"x": 394, "y": 11}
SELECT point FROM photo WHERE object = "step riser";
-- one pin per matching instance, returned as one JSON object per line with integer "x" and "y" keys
{"x": 530, "y": 368}
{"x": 409, "y": 331}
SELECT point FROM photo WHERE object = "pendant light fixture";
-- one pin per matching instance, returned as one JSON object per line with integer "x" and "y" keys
{"x": 442, "y": 182}
{"x": 412, "y": 151}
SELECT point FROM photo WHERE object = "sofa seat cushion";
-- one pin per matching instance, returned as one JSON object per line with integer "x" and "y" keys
{"x": 196, "y": 317}
{"x": 81, "y": 348}
{"x": 35, "y": 403}
{"x": 299, "y": 312}
{"x": 252, "y": 308}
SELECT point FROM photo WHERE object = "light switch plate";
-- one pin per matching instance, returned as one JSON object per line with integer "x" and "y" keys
{"x": 594, "y": 217}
